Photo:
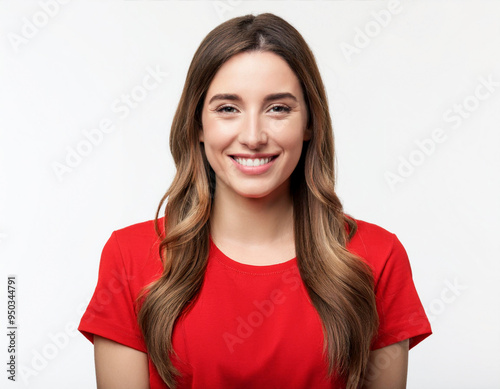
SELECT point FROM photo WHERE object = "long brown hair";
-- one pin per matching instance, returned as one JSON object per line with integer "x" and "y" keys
{"x": 340, "y": 285}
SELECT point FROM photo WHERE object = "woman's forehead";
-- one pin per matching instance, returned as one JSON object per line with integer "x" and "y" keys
{"x": 254, "y": 74}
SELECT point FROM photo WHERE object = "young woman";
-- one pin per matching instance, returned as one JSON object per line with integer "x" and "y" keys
{"x": 254, "y": 277}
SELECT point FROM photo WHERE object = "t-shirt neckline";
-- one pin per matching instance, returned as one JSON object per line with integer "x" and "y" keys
{"x": 251, "y": 269}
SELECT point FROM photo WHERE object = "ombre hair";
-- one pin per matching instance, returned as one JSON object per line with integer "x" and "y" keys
{"x": 339, "y": 284}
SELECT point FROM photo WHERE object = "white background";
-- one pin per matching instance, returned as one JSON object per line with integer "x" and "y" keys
{"x": 401, "y": 83}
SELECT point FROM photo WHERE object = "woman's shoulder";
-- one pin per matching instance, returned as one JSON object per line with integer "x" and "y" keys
{"x": 136, "y": 244}
{"x": 372, "y": 231}
{"x": 376, "y": 244}
{"x": 145, "y": 229}
{"x": 139, "y": 235}
{"x": 366, "y": 227}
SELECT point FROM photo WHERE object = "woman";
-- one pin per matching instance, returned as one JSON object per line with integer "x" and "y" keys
{"x": 254, "y": 277}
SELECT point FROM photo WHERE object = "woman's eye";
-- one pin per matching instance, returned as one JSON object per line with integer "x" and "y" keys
{"x": 280, "y": 109}
{"x": 226, "y": 109}
{"x": 274, "y": 109}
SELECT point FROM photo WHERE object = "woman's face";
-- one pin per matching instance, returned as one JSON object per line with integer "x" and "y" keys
{"x": 254, "y": 124}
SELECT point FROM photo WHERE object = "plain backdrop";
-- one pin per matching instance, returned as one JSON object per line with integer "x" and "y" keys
{"x": 414, "y": 92}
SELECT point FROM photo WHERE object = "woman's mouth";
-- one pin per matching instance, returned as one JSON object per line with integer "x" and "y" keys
{"x": 254, "y": 165}
{"x": 252, "y": 162}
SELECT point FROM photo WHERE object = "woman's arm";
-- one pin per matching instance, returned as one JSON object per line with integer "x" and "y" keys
{"x": 118, "y": 366}
{"x": 388, "y": 367}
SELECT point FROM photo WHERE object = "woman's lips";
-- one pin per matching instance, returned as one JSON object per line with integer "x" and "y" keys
{"x": 255, "y": 164}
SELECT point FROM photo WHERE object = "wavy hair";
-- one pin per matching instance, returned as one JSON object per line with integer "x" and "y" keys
{"x": 339, "y": 284}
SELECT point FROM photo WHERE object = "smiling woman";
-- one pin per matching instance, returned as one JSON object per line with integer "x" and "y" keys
{"x": 254, "y": 277}
{"x": 253, "y": 136}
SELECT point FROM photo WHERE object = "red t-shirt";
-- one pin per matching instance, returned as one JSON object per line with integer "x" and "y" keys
{"x": 251, "y": 326}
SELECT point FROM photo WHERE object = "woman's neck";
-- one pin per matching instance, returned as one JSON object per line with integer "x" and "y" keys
{"x": 257, "y": 225}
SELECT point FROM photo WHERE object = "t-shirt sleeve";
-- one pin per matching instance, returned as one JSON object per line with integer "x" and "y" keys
{"x": 400, "y": 310}
{"x": 111, "y": 312}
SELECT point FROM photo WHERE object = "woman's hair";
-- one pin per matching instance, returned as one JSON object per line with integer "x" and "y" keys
{"x": 339, "y": 284}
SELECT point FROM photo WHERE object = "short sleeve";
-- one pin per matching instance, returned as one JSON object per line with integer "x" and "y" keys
{"x": 111, "y": 312}
{"x": 400, "y": 310}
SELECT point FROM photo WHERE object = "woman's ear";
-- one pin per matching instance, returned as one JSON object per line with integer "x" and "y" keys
{"x": 200, "y": 134}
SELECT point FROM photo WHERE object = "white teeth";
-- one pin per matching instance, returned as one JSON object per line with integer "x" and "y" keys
{"x": 252, "y": 161}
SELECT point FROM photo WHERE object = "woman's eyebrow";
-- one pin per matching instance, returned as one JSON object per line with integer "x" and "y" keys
{"x": 268, "y": 98}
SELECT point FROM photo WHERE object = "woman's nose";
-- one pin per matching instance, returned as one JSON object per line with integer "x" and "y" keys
{"x": 252, "y": 132}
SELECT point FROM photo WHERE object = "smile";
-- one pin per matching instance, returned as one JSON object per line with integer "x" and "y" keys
{"x": 252, "y": 161}
{"x": 254, "y": 165}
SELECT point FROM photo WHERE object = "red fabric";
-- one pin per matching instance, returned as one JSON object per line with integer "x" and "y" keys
{"x": 252, "y": 326}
